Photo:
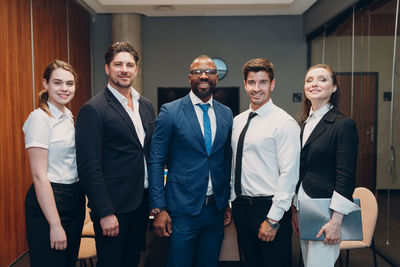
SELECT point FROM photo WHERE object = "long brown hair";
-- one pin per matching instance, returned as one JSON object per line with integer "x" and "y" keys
{"x": 44, "y": 94}
{"x": 334, "y": 100}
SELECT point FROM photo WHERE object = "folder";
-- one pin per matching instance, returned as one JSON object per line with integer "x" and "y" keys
{"x": 315, "y": 212}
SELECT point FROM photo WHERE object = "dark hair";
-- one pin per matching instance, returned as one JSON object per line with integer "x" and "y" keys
{"x": 256, "y": 65}
{"x": 119, "y": 47}
{"x": 334, "y": 100}
{"x": 44, "y": 94}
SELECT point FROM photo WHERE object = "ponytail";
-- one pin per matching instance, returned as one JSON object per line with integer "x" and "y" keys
{"x": 43, "y": 97}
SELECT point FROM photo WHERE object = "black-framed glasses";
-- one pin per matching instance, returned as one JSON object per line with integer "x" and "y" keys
{"x": 208, "y": 72}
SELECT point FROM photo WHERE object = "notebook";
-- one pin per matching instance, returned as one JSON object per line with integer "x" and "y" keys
{"x": 315, "y": 212}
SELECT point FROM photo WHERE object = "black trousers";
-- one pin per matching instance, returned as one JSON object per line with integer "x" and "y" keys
{"x": 248, "y": 214}
{"x": 70, "y": 202}
{"x": 124, "y": 249}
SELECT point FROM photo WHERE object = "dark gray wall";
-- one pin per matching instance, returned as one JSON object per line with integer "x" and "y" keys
{"x": 101, "y": 32}
{"x": 171, "y": 43}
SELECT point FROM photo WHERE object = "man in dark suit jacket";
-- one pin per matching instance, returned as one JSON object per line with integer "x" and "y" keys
{"x": 195, "y": 145}
{"x": 113, "y": 134}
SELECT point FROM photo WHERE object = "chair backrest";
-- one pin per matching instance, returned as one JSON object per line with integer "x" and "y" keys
{"x": 369, "y": 212}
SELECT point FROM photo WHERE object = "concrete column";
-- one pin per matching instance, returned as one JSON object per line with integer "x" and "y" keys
{"x": 128, "y": 28}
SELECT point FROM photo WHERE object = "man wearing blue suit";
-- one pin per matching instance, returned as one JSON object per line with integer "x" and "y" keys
{"x": 192, "y": 137}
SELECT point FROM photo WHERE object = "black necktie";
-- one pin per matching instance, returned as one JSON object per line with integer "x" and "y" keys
{"x": 239, "y": 154}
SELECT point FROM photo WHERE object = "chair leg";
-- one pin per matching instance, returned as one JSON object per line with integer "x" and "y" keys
{"x": 340, "y": 259}
{"x": 347, "y": 257}
{"x": 91, "y": 262}
{"x": 374, "y": 251}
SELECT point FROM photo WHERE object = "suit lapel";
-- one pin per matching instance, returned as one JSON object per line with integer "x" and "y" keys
{"x": 143, "y": 114}
{"x": 191, "y": 116}
{"x": 117, "y": 106}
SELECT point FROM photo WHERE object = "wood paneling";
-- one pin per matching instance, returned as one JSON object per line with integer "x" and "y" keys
{"x": 16, "y": 103}
{"x": 49, "y": 34}
{"x": 50, "y": 39}
{"x": 79, "y": 40}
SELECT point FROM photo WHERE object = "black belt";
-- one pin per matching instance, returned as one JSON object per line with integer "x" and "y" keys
{"x": 250, "y": 201}
{"x": 210, "y": 200}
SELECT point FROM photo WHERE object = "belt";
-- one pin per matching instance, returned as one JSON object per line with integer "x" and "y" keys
{"x": 210, "y": 200}
{"x": 250, "y": 201}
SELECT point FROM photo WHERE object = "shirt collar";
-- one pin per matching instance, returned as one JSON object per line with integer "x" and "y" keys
{"x": 196, "y": 100}
{"x": 320, "y": 112}
{"x": 263, "y": 110}
{"x": 56, "y": 113}
{"x": 122, "y": 99}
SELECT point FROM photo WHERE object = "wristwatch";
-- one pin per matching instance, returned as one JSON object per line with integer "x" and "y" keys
{"x": 274, "y": 225}
{"x": 156, "y": 211}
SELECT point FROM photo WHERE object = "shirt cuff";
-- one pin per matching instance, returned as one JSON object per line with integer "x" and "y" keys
{"x": 342, "y": 205}
{"x": 275, "y": 213}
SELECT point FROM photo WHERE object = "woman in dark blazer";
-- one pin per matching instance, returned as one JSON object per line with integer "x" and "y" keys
{"x": 328, "y": 162}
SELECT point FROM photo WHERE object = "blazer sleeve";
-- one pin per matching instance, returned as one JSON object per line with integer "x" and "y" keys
{"x": 346, "y": 157}
{"x": 159, "y": 148}
{"x": 89, "y": 148}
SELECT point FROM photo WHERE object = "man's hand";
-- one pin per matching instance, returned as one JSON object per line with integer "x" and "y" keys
{"x": 227, "y": 216}
{"x": 110, "y": 225}
{"x": 58, "y": 238}
{"x": 295, "y": 221}
{"x": 332, "y": 229}
{"x": 162, "y": 224}
{"x": 266, "y": 233}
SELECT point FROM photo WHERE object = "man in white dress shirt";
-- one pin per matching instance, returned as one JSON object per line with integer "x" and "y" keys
{"x": 265, "y": 171}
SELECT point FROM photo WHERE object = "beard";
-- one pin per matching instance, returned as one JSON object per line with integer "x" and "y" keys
{"x": 203, "y": 92}
{"x": 122, "y": 84}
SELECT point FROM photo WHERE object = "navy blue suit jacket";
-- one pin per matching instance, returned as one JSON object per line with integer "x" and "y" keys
{"x": 178, "y": 142}
{"x": 110, "y": 155}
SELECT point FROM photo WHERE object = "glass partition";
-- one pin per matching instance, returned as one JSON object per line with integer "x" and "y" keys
{"x": 362, "y": 46}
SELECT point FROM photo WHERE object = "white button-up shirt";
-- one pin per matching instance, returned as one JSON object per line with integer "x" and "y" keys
{"x": 136, "y": 120}
{"x": 271, "y": 155}
{"x": 55, "y": 133}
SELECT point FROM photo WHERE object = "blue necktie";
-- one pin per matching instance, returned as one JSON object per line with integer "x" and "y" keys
{"x": 206, "y": 126}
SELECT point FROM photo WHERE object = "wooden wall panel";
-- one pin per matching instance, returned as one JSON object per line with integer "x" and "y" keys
{"x": 16, "y": 103}
{"x": 50, "y": 24}
{"x": 79, "y": 40}
{"x": 49, "y": 34}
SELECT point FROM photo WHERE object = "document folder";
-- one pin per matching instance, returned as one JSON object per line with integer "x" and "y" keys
{"x": 315, "y": 212}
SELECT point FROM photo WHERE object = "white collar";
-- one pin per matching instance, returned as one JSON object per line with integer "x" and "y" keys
{"x": 56, "y": 113}
{"x": 196, "y": 100}
{"x": 320, "y": 112}
{"x": 121, "y": 98}
{"x": 263, "y": 110}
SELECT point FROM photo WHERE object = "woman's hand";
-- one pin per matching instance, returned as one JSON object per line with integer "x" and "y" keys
{"x": 58, "y": 238}
{"x": 332, "y": 229}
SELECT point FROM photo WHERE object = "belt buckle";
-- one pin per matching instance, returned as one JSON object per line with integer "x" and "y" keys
{"x": 248, "y": 200}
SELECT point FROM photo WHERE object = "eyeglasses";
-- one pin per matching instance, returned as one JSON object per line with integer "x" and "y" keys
{"x": 199, "y": 72}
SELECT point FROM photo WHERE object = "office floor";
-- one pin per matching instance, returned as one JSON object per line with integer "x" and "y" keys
{"x": 361, "y": 257}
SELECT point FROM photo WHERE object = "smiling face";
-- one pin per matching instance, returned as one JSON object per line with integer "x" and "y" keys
{"x": 318, "y": 87}
{"x": 121, "y": 71}
{"x": 61, "y": 87}
{"x": 203, "y": 84}
{"x": 259, "y": 87}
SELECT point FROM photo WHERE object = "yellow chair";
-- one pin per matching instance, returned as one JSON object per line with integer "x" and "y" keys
{"x": 369, "y": 214}
{"x": 87, "y": 250}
